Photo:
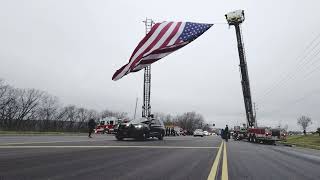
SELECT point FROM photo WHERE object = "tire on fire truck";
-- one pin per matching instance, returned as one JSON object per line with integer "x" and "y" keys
{"x": 254, "y": 139}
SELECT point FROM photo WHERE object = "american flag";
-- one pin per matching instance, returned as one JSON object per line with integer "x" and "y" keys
{"x": 163, "y": 39}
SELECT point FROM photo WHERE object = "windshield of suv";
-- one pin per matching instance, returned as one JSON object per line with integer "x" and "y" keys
{"x": 140, "y": 120}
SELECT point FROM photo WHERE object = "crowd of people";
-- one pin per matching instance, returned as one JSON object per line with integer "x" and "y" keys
{"x": 170, "y": 131}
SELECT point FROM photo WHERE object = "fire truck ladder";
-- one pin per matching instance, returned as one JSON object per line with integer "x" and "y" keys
{"x": 236, "y": 18}
{"x": 146, "y": 108}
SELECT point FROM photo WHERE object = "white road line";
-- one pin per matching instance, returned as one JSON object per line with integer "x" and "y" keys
{"x": 151, "y": 147}
{"x": 87, "y": 140}
{"x": 48, "y": 142}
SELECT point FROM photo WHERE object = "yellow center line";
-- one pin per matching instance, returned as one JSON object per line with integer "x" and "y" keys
{"x": 214, "y": 168}
{"x": 224, "y": 175}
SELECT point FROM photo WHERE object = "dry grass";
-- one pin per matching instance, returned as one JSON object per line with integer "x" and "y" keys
{"x": 308, "y": 141}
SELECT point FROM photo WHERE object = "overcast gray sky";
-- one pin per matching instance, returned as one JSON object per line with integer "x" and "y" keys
{"x": 71, "y": 48}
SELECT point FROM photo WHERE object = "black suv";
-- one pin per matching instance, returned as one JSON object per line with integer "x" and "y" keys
{"x": 140, "y": 129}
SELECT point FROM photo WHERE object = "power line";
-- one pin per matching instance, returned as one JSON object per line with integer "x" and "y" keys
{"x": 288, "y": 75}
{"x": 308, "y": 73}
{"x": 307, "y": 76}
{"x": 313, "y": 71}
{"x": 305, "y": 96}
{"x": 296, "y": 76}
{"x": 302, "y": 64}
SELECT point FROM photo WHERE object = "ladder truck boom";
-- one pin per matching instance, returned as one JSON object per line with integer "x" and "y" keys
{"x": 235, "y": 18}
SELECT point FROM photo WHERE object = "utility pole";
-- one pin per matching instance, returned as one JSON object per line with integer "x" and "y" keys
{"x": 255, "y": 114}
{"x": 146, "y": 107}
{"x": 135, "y": 109}
{"x": 235, "y": 19}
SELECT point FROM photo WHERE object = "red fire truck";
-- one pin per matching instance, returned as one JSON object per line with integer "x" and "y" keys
{"x": 263, "y": 135}
{"x": 107, "y": 124}
{"x": 259, "y": 134}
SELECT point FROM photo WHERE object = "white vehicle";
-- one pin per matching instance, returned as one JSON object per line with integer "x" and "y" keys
{"x": 206, "y": 133}
{"x": 178, "y": 130}
{"x": 198, "y": 132}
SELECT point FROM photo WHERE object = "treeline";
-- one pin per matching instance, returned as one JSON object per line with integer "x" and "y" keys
{"x": 35, "y": 110}
{"x": 188, "y": 121}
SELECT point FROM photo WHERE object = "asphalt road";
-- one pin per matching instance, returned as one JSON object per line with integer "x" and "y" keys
{"x": 102, "y": 157}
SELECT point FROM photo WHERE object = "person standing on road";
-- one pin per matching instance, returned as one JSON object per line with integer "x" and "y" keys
{"x": 91, "y": 126}
{"x": 226, "y": 133}
{"x": 222, "y": 133}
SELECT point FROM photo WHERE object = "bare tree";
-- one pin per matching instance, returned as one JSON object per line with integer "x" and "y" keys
{"x": 106, "y": 113}
{"x": 93, "y": 114}
{"x": 4, "y": 101}
{"x": 206, "y": 127}
{"x": 48, "y": 108}
{"x": 109, "y": 113}
{"x": 47, "y": 111}
{"x": 28, "y": 100}
{"x": 3, "y": 90}
{"x": 17, "y": 105}
{"x": 10, "y": 107}
{"x": 68, "y": 113}
{"x": 190, "y": 121}
{"x": 82, "y": 117}
{"x": 31, "y": 109}
{"x": 166, "y": 118}
{"x": 5, "y": 98}
{"x": 169, "y": 119}
{"x": 304, "y": 122}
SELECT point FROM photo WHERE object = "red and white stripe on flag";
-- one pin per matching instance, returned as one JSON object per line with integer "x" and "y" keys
{"x": 163, "y": 39}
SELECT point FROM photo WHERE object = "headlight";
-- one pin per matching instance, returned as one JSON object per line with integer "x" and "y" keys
{"x": 127, "y": 124}
{"x": 138, "y": 126}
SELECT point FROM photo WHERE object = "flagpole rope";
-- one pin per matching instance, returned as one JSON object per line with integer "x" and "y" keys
{"x": 220, "y": 23}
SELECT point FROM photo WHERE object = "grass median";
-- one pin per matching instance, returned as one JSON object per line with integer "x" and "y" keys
{"x": 308, "y": 141}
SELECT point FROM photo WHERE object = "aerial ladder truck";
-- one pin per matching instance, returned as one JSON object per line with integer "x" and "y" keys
{"x": 251, "y": 132}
